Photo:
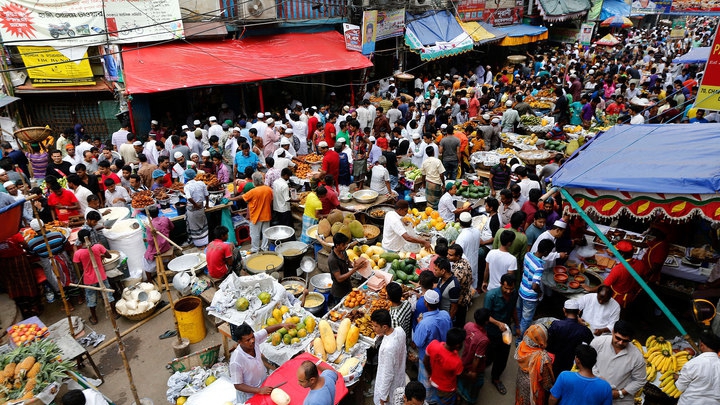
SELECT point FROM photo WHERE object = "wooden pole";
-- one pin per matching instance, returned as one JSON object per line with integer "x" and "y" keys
{"x": 107, "y": 343}
{"x": 170, "y": 241}
{"x": 109, "y": 311}
{"x": 162, "y": 274}
{"x": 54, "y": 268}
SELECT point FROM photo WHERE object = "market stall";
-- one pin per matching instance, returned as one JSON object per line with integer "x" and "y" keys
{"x": 614, "y": 174}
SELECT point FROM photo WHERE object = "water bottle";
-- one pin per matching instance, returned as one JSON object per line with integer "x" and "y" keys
{"x": 49, "y": 295}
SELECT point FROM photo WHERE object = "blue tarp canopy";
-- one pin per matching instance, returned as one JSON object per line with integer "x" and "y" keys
{"x": 433, "y": 26}
{"x": 672, "y": 159}
{"x": 696, "y": 55}
{"x": 521, "y": 30}
{"x": 614, "y": 7}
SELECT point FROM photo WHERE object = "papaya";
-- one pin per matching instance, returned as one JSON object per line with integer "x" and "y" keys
{"x": 390, "y": 257}
{"x": 352, "y": 337}
{"x": 342, "y": 333}
{"x": 328, "y": 337}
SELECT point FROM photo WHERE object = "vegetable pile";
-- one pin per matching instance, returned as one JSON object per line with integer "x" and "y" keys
{"x": 27, "y": 370}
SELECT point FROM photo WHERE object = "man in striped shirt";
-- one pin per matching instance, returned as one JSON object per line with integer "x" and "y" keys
{"x": 530, "y": 286}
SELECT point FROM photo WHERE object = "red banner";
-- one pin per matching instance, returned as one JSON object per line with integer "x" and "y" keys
{"x": 503, "y": 16}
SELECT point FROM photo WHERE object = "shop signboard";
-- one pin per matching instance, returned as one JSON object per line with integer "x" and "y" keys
{"x": 88, "y": 22}
{"x": 586, "y": 33}
{"x": 48, "y": 67}
{"x": 680, "y": 6}
{"x": 390, "y": 24}
{"x": 677, "y": 31}
{"x": 353, "y": 40}
{"x": 471, "y": 10}
{"x": 708, "y": 96}
{"x": 639, "y": 7}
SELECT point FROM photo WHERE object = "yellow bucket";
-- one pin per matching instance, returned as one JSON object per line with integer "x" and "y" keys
{"x": 188, "y": 312}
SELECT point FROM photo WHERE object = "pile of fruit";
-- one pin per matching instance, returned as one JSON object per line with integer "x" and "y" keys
{"x": 290, "y": 336}
{"x": 474, "y": 190}
{"x": 336, "y": 223}
{"x": 555, "y": 145}
{"x": 328, "y": 343}
{"x": 505, "y": 151}
{"x": 406, "y": 164}
{"x": 26, "y": 333}
{"x": 660, "y": 358}
{"x": 28, "y": 370}
{"x": 530, "y": 120}
{"x": 413, "y": 175}
{"x": 364, "y": 325}
{"x": 375, "y": 254}
{"x": 404, "y": 271}
{"x": 355, "y": 298}
{"x": 243, "y": 303}
{"x": 530, "y": 140}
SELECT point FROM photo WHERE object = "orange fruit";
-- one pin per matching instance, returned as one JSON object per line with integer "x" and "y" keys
{"x": 428, "y": 210}
{"x": 435, "y": 214}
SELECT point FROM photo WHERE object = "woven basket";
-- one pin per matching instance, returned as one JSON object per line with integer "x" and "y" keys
{"x": 655, "y": 396}
{"x": 528, "y": 157}
{"x": 32, "y": 134}
{"x": 141, "y": 316}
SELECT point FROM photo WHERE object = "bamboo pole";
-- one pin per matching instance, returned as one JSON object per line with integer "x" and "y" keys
{"x": 54, "y": 267}
{"x": 89, "y": 287}
{"x": 161, "y": 273}
{"x": 109, "y": 311}
{"x": 107, "y": 343}
{"x": 167, "y": 238}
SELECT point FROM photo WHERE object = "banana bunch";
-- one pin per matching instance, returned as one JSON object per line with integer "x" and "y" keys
{"x": 667, "y": 384}
{"x": 681, "y": 357}
{"x": 651, "y": 371}
{"x": 660, "y": 341}
{"x": 639, "y": 347}
{"x": 662, "y": 359}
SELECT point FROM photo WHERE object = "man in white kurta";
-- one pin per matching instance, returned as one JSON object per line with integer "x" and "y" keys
{"x": 700, "y": 378}
{"x": 392, "y": 356}
{"x": 469, "y": 240}
{"x": 600, "y": 311}
{"x": 620, "y": 363}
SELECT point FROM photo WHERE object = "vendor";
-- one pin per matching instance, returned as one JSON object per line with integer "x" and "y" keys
{"x": 313, "y": 205}
{"x": 221, "y": 257}
{"x": 446, "y": 206}
{"x": 247, "y": 364}
{"x": 499, "y": 176}
{"x": 341, "y": 269}
{"x": 553, "y": 234}
{"x": 330, "y": 201}
{"x": 395, "y": 235}
{"x": 162, "y": 225}
{"x": 624, "y": 286}
{"x": 557, "y": 133}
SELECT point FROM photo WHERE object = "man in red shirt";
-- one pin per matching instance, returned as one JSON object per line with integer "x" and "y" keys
{"x": 443, "y": 365}
{"x": 616, "y": 107}
{"x": 219, "y": 254}
{"x": 106, "y": 173}
{"x": 474, "y": 356}
{"x": 330, "y": 130}
{"x": 63, "y": 201}
{"x": 90, "y": 278}
{"x": 330, "y": 162}
{"x": 623, "y": 285}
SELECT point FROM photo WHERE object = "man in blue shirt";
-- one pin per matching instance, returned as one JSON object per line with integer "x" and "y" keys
{"x": 322, "y": 386}
{"x": 434, "y": 325}
{"x": 582, "y": 387}
{"x": 699, "y": 117}
{"x": 530, "y": 289}
{"x": 244, "y": 159}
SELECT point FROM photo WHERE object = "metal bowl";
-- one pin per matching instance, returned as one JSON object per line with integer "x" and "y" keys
{"x": 294, "y": 285}
{"x": 267, "y": 270}
{"x": 365, "y": 196}
{"x": 279, "y": 233}
{"x": 292, "y": 250}
{"x": 321, "y": 282}
{"x": 345, "y": 198}
{"x": 378, "y": 220}
{"x": 317, "y": 309}
{"x": 312, "y": 232}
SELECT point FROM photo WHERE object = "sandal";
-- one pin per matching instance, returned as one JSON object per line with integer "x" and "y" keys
{"x": 500, "y": 387}
{"x": 168, "y": 334}
{"x": 93, "y": 321}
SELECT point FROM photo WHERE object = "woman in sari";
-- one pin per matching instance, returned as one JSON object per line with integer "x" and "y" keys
{"x": 535, "y": 376}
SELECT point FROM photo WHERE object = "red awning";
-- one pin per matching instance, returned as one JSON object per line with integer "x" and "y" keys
{"x": 181, "y": 65}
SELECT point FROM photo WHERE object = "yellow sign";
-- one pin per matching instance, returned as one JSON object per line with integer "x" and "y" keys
{"x": 49, "y": 68}
{"x": 708, "y": 96}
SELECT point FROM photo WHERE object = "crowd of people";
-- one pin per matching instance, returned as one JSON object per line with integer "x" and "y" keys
{"x": 436, "y": 125}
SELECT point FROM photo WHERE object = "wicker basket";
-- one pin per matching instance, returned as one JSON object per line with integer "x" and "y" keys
{"x": 655, "y": 396}
{"x": 141, "y": 316}
{"x": 532, "y": 157}
{"x": 371, "y": 232}
{"x": 32, "y": 134}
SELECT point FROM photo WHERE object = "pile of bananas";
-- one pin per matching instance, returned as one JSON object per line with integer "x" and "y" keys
{"x": 667, "y": 384}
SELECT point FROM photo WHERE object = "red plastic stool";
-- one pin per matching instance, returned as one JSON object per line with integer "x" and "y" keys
{"x": 39, "y": 274}
{"x": 242, "y": 234}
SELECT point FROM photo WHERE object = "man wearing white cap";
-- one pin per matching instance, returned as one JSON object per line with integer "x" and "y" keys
{"x": 433, "y": 325}
{"x": 178, "y": 169}
{"x": 299, "y": 130}
{"x": 260, "y": 125}
{"x": 270, "y": 137}
{"x": 416, "y": 151}
{"x": 552, "y": 234}
{"x": 345, "y": 148}
{"x": 469, "y": 240}
{"x": 215, "y": 128}
{"x": 149, "y": 149}
{"x": 510, "y": 118}
{"x": 564, "y": 335}
{"x": 375, "y": 151}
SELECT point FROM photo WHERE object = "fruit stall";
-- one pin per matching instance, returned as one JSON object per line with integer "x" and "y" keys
{"x": 664, "y": 358}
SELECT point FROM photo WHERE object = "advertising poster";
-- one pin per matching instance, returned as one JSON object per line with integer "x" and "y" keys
{"x": 369, "y": 31}
{"x": 503, "y": 16}
{"x": 112, "y": 63}
{"x": 48, "y": 67}
{"x": 678, "y": 29}
{"x": 353, "y": 38}
{"x": 81, "y": 22}
{"x": 708, "y": 96}
{"x": 471, "y": 10}
{"x": 649, "y": 6}
{"x": 390, "y": 24}
{"x": 680, "y": 6}
{"x": 586, "y": 32}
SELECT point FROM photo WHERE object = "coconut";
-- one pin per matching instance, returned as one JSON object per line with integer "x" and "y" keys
{"x": 143, "y": 306}
{"x": 154, "y": 296}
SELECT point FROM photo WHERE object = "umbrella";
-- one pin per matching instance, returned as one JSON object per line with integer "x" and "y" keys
{"x": 607, "y": 40}
{"x": 617, "y": 21}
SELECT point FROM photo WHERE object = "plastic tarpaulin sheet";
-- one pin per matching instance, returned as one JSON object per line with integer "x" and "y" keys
{"x": 642, "y": 169}
{"x": 520, "y": 34}
{"x": 180, "y": 65}
{"x": 563, "y": 8}
{"x": 614, "y": 7}
{"x": 435, "y": 35}
{"x": 696, "y": 55}
{"x": 481, "y": 33}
